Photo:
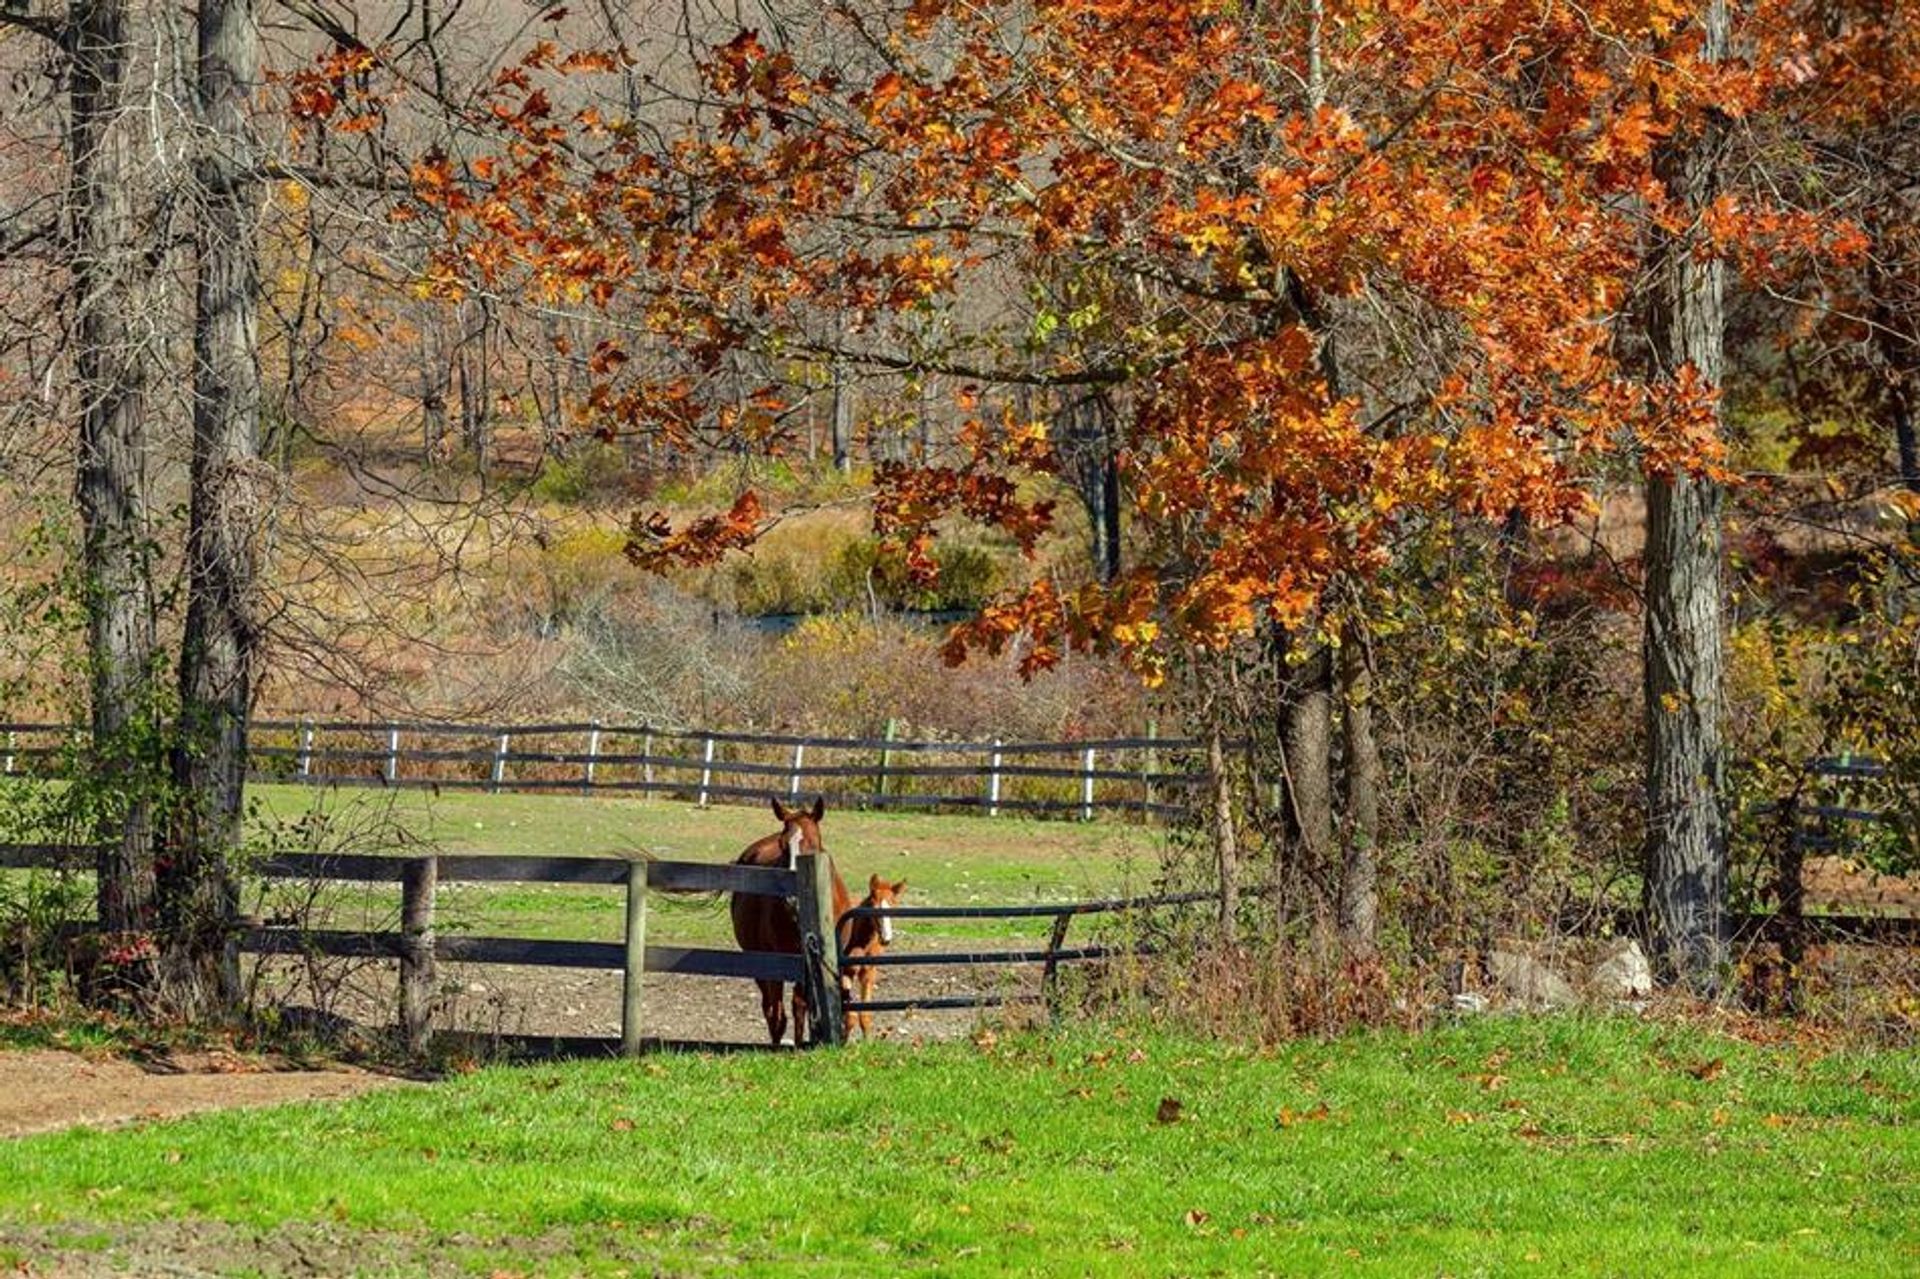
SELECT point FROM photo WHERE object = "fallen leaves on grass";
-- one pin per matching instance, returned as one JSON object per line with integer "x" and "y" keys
{"x": 1289, "y": 1117}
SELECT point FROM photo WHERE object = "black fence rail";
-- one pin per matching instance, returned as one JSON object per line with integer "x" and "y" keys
{"x": 1147, "y": 776}
{"x": 419, "y": 948}
{"x": 1052, "y": 955}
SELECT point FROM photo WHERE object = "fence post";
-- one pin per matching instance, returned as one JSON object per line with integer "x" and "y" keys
{"x": 636, "y": 958}
{"x": 306, "y": 750}
{"x": 10, "y": 746}
{"x": 593, "y": 754}
{"x": 1792, "y": 893}
{"x": 706, "y": 770}
{"x": 417, "y": 976}
{"x": 1086, "y": 785}
{"x": 799, "y": 757}
{"x": 993, "y": 781}
{"x": 1146, "y": 775}
{"x": 646, "y": 761}
{"x": 499, "y": 762}
{"x": 1050, "y": 973}
{"x": 393, "y": 753}
{"x": 820, "y": 949}
{"x": 886, "y": 760}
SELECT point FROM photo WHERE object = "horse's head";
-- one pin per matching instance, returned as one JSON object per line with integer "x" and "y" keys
{"x": 882, "y": 895}
{"x": 800, "y": 829}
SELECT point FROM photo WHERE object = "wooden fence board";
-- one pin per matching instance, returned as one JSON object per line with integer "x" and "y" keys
{"x": 538, "y": 953}
{"x": 700, "y": 962}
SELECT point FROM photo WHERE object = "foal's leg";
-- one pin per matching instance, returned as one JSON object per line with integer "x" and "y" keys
{"x": 772, "y": 1009}
{"x": 867, "y": 977}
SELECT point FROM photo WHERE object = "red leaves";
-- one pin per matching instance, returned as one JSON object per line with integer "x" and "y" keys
{"x": 652, "y": 543}
{"x": 1194, "y": 223}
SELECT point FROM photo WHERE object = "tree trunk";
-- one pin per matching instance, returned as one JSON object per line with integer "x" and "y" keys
{"x": 1899, "y": 352}
{"x": 1306, "y": 761}
{"x": 1683, "y": 646}
{"x": 1359, "y": 871}
{"x": 474, "y": 359}
{"x": 1095, "y": 467}
{"x": 1226, "y": 846}
{"x": 109, "y": 285}
{"x": 230, "y": 500}
{"x": 842, "y": 420}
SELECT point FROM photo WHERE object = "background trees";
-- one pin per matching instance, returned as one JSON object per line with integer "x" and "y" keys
{"x": 1231, "y": 345}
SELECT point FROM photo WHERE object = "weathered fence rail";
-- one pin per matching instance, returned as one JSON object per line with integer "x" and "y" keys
{"x": 419, "y": 948}
{"x": 1143, "y": 776}
{"x": 1052, "y": 955}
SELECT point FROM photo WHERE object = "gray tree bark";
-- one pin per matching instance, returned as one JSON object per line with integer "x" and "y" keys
{"x": 842, "y": 420}
{"x": 1226, "y": 844}
{"x": 1360, "y": 867}
{"x": 1306, "y": 758}
{"x": 1095, "y": 466}
{"x": 231, "y": 498}
{"x": 1683, "y": 648}
{"x": 109, "y": 280}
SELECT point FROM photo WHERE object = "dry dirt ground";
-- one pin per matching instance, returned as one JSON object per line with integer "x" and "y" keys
{"x": 301, "y": 1250}
{"x": 526, "y": 1001}
{"x": 44, "y": 1090}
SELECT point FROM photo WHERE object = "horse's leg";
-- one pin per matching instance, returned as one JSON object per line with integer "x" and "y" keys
{"x": 771, "y": 1009}
{"x": 799, "y": 1015}
{"x": 847, "y": 1018}
{"x": 867, "y": 977}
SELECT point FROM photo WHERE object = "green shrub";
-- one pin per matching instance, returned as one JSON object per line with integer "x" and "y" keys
{"x": 588, "y": 470}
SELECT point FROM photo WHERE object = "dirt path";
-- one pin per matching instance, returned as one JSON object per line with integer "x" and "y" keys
{"x": 514, "y": 999}
{"x": 45, "y": 1090}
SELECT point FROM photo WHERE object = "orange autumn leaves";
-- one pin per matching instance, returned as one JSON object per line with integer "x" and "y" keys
{"x": 1331, "y": 281}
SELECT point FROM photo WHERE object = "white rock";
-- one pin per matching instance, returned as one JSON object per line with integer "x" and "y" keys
{"x": 1469, "y": 1001}
{"x": 1529, "y": 981}
{"x": 1622, "y": 973}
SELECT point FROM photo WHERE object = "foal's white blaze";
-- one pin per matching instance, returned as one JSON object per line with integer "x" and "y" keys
{"x": 886, "y": 928}
{"x": 793, "y": 849}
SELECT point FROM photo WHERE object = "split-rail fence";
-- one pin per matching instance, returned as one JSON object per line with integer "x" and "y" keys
{"x": 1147, "y": 776}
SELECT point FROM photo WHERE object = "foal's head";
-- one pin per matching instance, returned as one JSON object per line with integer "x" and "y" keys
{"x": 800, "y": 829}
{"x": 882, "y": 895}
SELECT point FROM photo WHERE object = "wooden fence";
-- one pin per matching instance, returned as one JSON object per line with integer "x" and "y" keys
{"x": 419, "y": 948}
{"x": 1147, "y": 776}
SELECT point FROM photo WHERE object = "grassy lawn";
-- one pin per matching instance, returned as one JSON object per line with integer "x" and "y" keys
{"x": 1595, "y": 1146}
{"x": 945, "y": 859}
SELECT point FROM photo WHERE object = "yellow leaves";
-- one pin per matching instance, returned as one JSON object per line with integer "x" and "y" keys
{"x": 1904, "y": 504}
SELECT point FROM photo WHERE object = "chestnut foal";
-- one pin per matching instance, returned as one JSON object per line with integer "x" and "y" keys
{"x": 866, "y": 935}
{"x": 769, "y": 924}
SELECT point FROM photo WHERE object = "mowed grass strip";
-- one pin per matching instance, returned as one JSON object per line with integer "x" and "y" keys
{"x": 1592, "y": 1146}
{"x": 945, "y": 859}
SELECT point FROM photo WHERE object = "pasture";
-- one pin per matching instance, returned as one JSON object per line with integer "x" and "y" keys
{"x": 1588, "y": 1145}
{"x": 946, "y": 859}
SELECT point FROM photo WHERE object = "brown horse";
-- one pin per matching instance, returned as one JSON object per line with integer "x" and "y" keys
{"x": 769, "y": 924}
{"x": 867, "y": 935}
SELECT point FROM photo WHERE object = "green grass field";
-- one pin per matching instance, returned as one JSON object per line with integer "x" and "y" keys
{"x": 1504, "y": 1146}
{"x": 946, "y": 860}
